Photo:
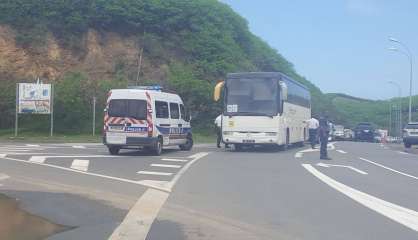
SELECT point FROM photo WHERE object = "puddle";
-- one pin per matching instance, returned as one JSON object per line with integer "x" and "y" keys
{"x": 16, "y": 224}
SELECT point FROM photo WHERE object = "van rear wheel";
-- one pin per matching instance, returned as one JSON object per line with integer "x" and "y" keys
{"x": 114, "y": 150}
{"x": 188, "y": 145}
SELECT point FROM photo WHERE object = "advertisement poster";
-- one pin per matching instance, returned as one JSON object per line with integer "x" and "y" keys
{"x": 34, "y": 98}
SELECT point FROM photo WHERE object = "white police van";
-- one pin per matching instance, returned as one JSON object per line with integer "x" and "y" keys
{"x": 145, "y": 117}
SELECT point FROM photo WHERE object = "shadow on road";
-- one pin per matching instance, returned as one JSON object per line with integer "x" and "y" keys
{"x": 17, "y": 224}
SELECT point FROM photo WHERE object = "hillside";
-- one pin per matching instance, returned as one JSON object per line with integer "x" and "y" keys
{"x": 88, "y": 46}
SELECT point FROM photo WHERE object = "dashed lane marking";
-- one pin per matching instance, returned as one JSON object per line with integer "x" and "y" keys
{"x": 402, "y": 215}
{"x": 165, "y": 165}
{"x": 388, "y": 168}
{"x": 404, "y": 153}
{"x": 155, "y": 173}
{"x": 37, "y": 159}
{"x": 341, "y": 151}
{"x": 173, "y": 160}
{"x": 32, "y": 145}
{"x": 80, "y": 164}
{"x": 79, "y": 147}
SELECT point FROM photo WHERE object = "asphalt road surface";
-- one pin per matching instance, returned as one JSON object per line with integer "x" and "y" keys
{"x": 367, "y": 191}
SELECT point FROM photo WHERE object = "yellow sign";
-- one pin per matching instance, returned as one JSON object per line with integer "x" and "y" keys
{"x": 231, "y": 123}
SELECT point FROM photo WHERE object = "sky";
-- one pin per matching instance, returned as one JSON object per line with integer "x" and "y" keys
{"x": 340, "y": 45}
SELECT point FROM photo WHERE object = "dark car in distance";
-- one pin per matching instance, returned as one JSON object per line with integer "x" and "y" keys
{"x": 364, "y": 132}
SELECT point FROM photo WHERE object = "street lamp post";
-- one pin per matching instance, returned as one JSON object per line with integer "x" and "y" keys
{"x": 409, "y": 55}
{"x": 400, "y": 105}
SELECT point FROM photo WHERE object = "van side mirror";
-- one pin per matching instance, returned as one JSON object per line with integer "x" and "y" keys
{"x": 218, "y": 90}
{"x": 105, "y": 110}
{"x": 284, "y": 91}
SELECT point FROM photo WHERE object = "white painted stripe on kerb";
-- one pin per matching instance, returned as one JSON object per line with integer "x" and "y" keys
{"x": 37, "y": 159}
{"x": 402, "y": 215}
{"x": 390, "y": 169}
{"x": 173, "y": 160}
{"x": 341, "y": 151}
{"x": 32, "y": 145}
{"x": 404, "y": 153}
{"x": 155, "y": 173}
{"x": 3, "y": 155}
{"x": 138, "y": 221}
{"x": 166, "y": 165}
{"x": 80, "y": 164}
{"x": 298, "y": 155}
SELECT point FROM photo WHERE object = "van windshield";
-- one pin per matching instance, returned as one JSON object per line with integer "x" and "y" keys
{"x": 128, "y": 108}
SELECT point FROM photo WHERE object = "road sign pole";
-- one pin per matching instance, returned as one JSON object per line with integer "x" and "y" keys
{"x": 52, "y": 110}
{"x": 94, "y": 116}
{"x": 17, "y": 109}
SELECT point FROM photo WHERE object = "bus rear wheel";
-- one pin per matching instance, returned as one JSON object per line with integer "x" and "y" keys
{"x": 188, "y": 145}
{"x": 114, "y": 150}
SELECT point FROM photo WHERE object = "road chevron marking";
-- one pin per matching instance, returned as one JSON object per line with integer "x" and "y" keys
{"x": 402, "y": 215}
{"x": 174, "y": 160}
{"x": 165, "y": 165}
{"x": 299, "y": 154}
{"x": 341, "y": 151}
{"x": 155, "y": 173}
{"x": 390, "y": 169}
{"x": 138, "y": 221}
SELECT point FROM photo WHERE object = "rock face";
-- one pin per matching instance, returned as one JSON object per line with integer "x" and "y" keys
{"x": 102, "y": 54}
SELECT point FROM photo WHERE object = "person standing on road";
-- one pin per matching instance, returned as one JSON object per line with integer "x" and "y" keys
{"x": 218, "y": 127}
{"x": 313, "y": 125}
{"x": 323, "y": 137}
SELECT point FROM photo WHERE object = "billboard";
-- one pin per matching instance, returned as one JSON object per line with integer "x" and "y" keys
{"x": 34, "y": 98}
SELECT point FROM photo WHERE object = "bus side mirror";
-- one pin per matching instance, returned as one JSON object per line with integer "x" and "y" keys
{"x": 283, "y": 86}
{"x": 105, "y": 110}
{"x": 218, "y": 90}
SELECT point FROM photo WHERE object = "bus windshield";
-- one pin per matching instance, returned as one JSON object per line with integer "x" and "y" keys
{"x": 252, "y": 97}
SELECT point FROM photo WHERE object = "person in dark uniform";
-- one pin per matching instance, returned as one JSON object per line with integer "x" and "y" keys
{"x": 323, "y": 132}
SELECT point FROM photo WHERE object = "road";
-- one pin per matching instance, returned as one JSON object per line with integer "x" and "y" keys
{"x": 367, "y": 191}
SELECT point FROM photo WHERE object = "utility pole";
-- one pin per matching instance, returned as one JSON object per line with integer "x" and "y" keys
{"x": 141, "y": 53}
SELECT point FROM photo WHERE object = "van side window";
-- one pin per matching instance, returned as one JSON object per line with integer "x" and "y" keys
{"x": 161, "y": 109}
{"x": 174, "y": 111}
{"x": 183, "y": 113}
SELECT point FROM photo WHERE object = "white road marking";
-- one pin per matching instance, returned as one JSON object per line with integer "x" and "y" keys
{"x": 37, "y": 159}
{"x": 155, "y": 173}
{"x": 404, "y": 153}
{"x": 166, "y": 165}
{"x": 390, "y": 169}
{"x": 32, "y": 145}
{"x": 138, "y": 221}
{"x": 16, "y": 150}
{"x": 341, "y": 151}
{"x": 3, "y": 176}
{"x": 80, "y": 164}
{"x": 79, "y": 147}
{"x": 343, "y": 166}
{"x": 2, "y": 155}
{"x": 78, "y": 156}
{"x": 198, "y": 155}
{"x": 298, "y": 155}
{"x": 174, "y": 160}
{"x": 402, "y": 215}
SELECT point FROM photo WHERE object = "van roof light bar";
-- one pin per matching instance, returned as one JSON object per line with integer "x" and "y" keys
{"x": 149, "y": 88}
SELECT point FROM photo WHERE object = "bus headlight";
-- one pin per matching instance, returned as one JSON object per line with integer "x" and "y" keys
{"x": 271, "y": 134}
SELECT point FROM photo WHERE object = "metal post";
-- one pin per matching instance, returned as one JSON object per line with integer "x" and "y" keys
{"x": 94, "y": 116}
{"x": 390, "y": 117}
{"x": 410, "y": 90}
{"x": 52, "y": 110}
{"x": 17, "y": 109}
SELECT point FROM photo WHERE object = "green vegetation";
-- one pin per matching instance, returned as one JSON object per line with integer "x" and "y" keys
{"x": 200, "y": 41}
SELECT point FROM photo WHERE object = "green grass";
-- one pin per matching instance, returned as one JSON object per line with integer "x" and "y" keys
{"x": 43, "y": 137}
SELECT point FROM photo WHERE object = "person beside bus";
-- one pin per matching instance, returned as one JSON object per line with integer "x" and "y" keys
{"x": 323, "y": 131}
{"x": 218, "y": 127}
{"x": 313, "y": 125}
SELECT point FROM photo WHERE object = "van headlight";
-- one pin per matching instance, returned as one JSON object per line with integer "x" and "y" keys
{"x": 228, "y": 133}
{"x": 271, "y": 134}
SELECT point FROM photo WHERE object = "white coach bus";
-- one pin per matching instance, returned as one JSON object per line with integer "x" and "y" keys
{"x": 263, "y": 108}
